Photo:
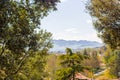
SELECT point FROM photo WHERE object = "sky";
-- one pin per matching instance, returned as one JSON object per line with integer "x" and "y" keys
{"x": 70, "y": 22}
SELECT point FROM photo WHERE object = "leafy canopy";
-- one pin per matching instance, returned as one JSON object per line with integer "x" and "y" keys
{"x": 21, "y": 39}
{"x": 106, "y": 19}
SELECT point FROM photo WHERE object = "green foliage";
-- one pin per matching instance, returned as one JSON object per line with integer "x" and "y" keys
{"x": 93, "y": 62}
{"x": 13, "y": 63}
{"x": 64, "y": 74}
{"x": 52, "y": 66}
{"x": 20, "y": 43}
{"x": 85, "y": 52}
{"x": 107, "y": 55}
{"x": 20, "y": 19}
{"x": 71, "y": 63}
{"x": 114, "y": 64}
{"x": 106, "y": 19}
{"x": 112, "y": 61}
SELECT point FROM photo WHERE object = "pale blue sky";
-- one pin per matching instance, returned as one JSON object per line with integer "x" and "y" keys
{"x": 70, "y": 22}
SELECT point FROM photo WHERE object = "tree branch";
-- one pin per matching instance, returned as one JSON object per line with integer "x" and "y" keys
{"x": 21, "y": 63}
{"x": 3, "y": 49}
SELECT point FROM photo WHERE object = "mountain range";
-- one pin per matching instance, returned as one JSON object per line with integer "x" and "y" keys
{"x": 61, "y": 45}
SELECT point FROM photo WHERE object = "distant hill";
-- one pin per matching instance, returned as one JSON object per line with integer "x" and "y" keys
{"x": 61, "y": 45}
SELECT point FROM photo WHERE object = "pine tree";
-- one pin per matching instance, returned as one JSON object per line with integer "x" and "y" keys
{"x": 71, "y": 63}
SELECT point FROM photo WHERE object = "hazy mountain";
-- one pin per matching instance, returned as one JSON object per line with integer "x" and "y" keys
{"x": 61, "y": 45}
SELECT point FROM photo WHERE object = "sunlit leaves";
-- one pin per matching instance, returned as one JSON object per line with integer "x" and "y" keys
{"x": 71, "y": 63}
{"x": 21, "y": 39}
{"x": 106, "y": 19}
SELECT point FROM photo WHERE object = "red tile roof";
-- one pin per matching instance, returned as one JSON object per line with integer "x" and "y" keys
{"x": 80, "y": 76}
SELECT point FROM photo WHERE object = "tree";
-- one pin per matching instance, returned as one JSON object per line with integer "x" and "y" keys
{"x": 113, "y": 63}
{"x": 19, "y": 39}
{"x": 85, "y": 52}
{"x": 33, "y": 68}
{"x": 71, "y": 63}
{"x": 52, "y": 65}
{"x": 93, "y": 61}
{"x": 106, "y": 19}
{"x": 107, "y": 55}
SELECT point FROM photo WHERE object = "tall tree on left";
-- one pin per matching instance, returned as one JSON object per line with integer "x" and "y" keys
{"x": 19, "y": 39}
